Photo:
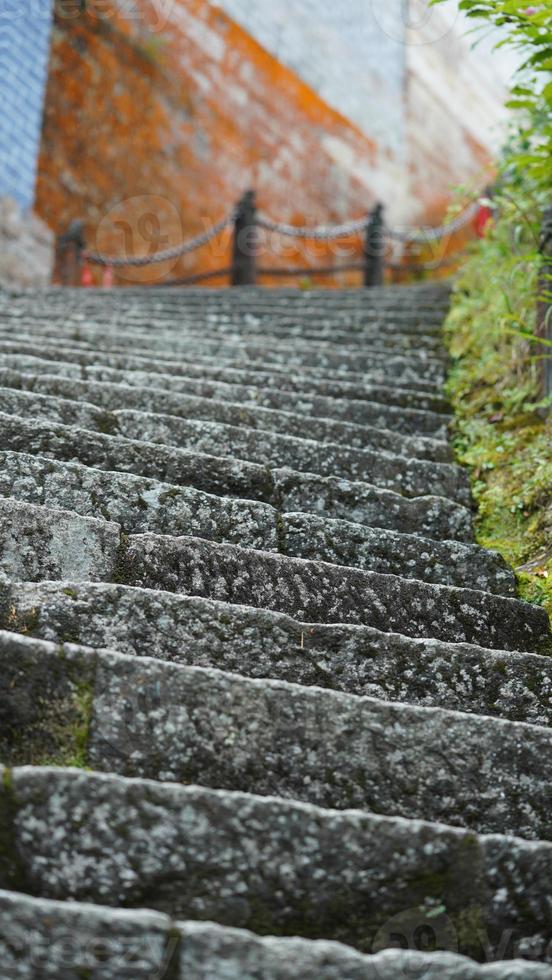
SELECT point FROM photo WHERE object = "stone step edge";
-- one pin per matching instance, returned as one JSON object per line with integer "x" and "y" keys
{"x": 236, "y": 334}
{"x": 427, "y": 373}
{"x": 363, "y": 869}
{"x": 280, "y": 487}
{"x": 64, "y": 938}
{"x": 407, "y": 379}
{"x": 94, "y": 550}
{"x": 396, "y": 395}
{"x": 408, "y": 475}
{"x": 432, "y": 425}
{"x": 271, "y": 738}
{"x": 135, "y": 505}
{"x": 262, "y": 645}
{"x": 112, "y": 396}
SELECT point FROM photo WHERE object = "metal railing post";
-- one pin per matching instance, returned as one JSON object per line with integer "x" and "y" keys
{"x": 244, "y": 252}
{"x": 544, "y": 302}
{"x": 70, "y": 247}
{"x": 374, "y": 249}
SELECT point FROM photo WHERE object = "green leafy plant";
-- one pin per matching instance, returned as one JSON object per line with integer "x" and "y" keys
{"x": 528, "y": 30}
{"x": 503, "y": 426}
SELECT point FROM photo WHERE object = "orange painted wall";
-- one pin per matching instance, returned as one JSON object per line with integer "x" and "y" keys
{"x": 151, "y": 137}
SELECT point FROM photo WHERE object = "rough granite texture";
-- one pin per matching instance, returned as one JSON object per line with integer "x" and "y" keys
{"x": 323, "y": 359}
{"x": 265, "y": 864}
{"x": 409, "y": 476}
{"x": 189, "y": 725}
{"x": 238, "y": 581}
{"x": 409, "y": 421}
{"x": 380, "y": 373}
{"x": 140, "y": 505}
{"x": 324, "y": 593}
{"x": 293, "y": 381}
{"x": 113, "y": 944}
{"x": 285, "y": 489}
{"x": 248, "y": 338}
{"x": 36, "y": 543}
{"x": 261, "y": 644}
{"x": 152, "y": 400}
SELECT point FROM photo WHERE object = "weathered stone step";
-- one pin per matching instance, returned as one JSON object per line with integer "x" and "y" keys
{"x": 410, "y": 302}
{"x": 157, "y": 401}
{"x": 371, "y": 340}
{"x": 379, "y": 374}
{"x": 41, "y": 543}
{"x": 261, "y": 644}
{"x": 216, "y": 855}
{"x": 285, "y": 489}
{"x": 307, "y": 357}
{"x": 377, "y": 336}
{"x": 389, "y": 329}
{"x": 405, "y": 398}
{"x": 321, "y": 592}
{"x": 152, "y": 720}
{"x": 409, "y": 476}
{"x": 378, "y": 414}
{"x": 73, "y": 940}
{"x": 139, "y": 506}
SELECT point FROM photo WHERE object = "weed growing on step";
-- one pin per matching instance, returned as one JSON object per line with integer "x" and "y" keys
{"x": 503, "y": 429}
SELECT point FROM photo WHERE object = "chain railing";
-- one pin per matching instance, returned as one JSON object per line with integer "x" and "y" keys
{"x": 75, "y": 259}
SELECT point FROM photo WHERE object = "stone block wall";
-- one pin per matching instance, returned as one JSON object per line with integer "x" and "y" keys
{"x": 152, "y": 135}
{"x": 161, "y": 113}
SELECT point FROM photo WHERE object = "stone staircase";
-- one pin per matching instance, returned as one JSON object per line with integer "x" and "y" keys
{"x": 266, "y": 709}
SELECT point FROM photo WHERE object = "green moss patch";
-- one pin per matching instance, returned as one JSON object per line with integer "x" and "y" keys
{"x": 503, "y": 427}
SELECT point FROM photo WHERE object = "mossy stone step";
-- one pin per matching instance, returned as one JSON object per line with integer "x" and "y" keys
{"x": 260, "y": 644}
{"x": 180, "y": 724}
{"x": 216, "y": 855}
